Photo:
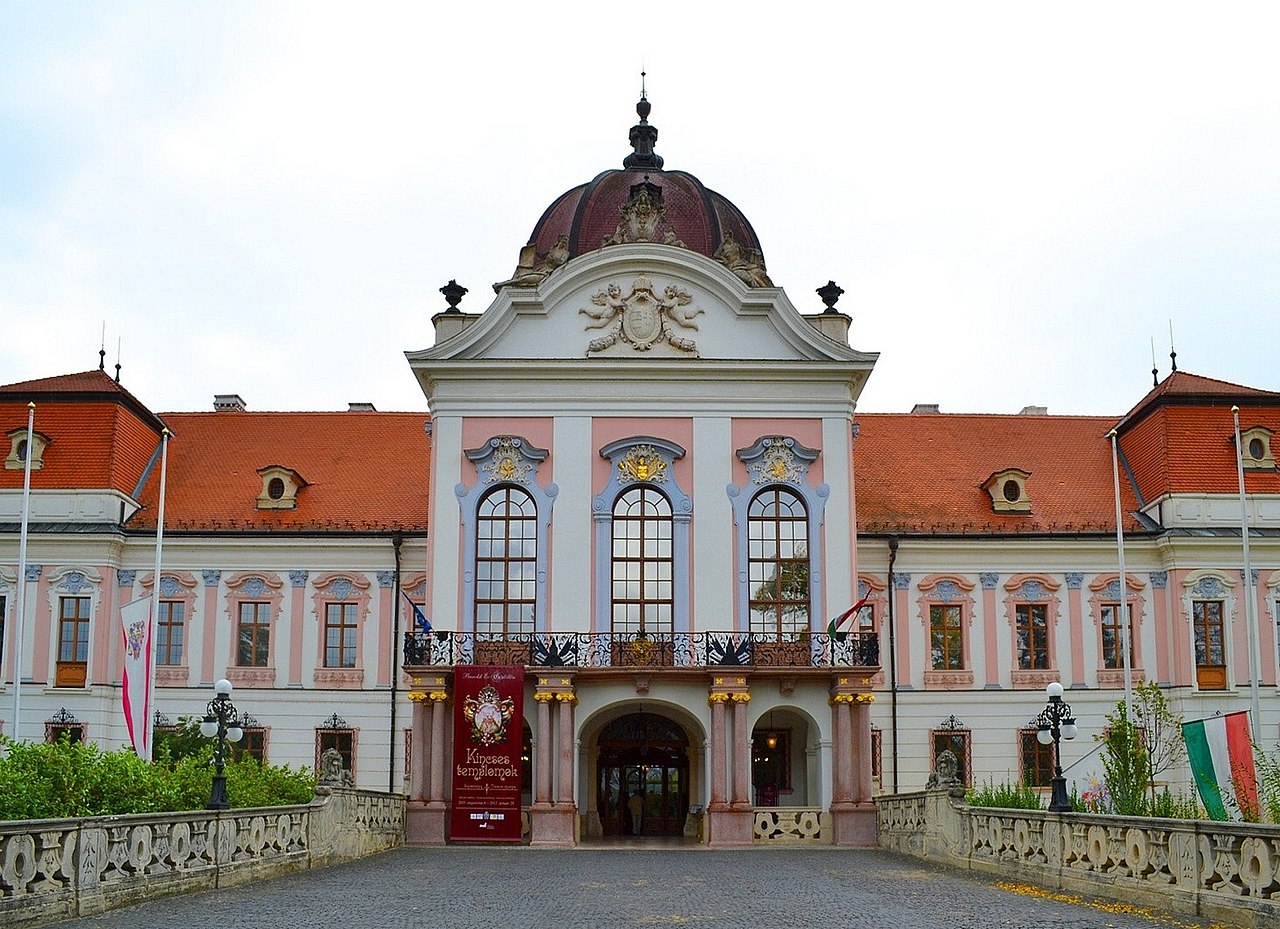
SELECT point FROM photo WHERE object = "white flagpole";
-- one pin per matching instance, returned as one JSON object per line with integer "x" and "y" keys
{"x": 1250, "y": 604}
{"x": 20, "y": 629}
{"x": 155, "y": 592}
{"x": 1123, "y": 620}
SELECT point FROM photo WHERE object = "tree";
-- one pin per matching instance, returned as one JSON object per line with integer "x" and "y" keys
{"x": 1125, "y": 764}
{"x": 1160, "y": 730}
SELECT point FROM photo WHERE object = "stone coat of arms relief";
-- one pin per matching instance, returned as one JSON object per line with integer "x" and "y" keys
{"x": 643, "y": 318}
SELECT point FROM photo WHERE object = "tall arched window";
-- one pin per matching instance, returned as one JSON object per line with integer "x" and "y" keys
{"x": 643, "y": 592}
{"x": 778, "y": 562}
{"x": 506, "y": 563}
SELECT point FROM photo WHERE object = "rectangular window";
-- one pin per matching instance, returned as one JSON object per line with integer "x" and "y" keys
{"x": 253, "y": 635}
{"x": 1033, "y": 636}
{"x": 169, "y": 632}
{"x": 340, "y": 635}
{"x": 1112, "y": 637}
{"x": 253, "y": 744}
{"x": 1036, "y": 759}
{"x": 946, "y": 642}
{"x": 73, "y": 629}
{"x": 957, "y": 741}
{"x": 1210, "y": 642}
{"x": 877, "y": 740}
{"x": 56, "y": 732}
{"x": 343, "y": 741}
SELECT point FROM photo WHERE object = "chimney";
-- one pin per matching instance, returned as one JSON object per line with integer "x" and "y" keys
{"x": 1034, "y": 411}
{"x": 925, "y": 408}
{"x": 228, "y": 403}
{"x": 357, "y": 407}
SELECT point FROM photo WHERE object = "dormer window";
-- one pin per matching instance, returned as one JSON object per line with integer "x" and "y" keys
{"x": 1008, "y": 490}
{"x": 1255, "y": 444}
{"x": 17, "y": 459}
{"x": 280, "y": 488}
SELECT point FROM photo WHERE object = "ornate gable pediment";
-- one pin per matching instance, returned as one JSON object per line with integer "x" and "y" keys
{"x": 643, "y": 318}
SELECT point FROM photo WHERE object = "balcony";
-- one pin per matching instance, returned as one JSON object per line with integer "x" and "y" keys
{"x": 627, "y": 651}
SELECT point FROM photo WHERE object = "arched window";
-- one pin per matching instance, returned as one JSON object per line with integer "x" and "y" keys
{"x": 506, "y": 563}
{"x": 643, "y": 592}
{"x": 778, "y": 562}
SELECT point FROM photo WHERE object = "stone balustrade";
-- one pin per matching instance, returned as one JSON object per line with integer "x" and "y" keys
{"x": 58, "y": 869}
{"x": 791, "y": 825}
{"x": 1224, "y": 871}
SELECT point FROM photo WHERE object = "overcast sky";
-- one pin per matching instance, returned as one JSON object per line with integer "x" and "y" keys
{"x": 264, "y": 198}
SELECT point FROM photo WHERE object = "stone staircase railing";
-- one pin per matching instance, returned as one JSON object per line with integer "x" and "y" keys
{"x": 1226, "y": 871}
{"x": 59, "y": 869}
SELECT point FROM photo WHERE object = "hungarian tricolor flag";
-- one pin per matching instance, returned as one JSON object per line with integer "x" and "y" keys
{"x": 833, "y": 628}
{"x": 1221, "y": 756}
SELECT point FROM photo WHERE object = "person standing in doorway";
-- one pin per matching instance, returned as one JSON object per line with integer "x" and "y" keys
{"x": 635, "y": 806}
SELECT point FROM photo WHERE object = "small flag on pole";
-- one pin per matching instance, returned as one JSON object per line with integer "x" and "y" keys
{"x": 833, "y": 628}
{"x": 420, "y": 621}
{"x": 1221, "y": 756}
{"x": 135, "y": 618}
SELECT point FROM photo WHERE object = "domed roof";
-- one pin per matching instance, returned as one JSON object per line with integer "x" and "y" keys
{"x": 641, "y": 203}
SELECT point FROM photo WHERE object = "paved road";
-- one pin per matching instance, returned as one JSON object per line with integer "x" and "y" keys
{"x": 478, "y": 888}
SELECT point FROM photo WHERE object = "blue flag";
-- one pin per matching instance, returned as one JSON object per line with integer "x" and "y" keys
{"x": 420, "y": 621}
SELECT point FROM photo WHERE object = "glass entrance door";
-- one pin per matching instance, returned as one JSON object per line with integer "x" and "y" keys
{"x": 648, "y": 799}
{"x": 642, "y": 785}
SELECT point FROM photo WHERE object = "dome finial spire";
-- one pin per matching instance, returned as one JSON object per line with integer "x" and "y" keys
{"x": 643, "y": 136}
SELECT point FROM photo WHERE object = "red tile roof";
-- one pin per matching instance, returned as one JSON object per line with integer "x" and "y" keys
{"x": 365, "y": 472}
{"x": 101, "y": 435}
{"x": 923, "y": 473}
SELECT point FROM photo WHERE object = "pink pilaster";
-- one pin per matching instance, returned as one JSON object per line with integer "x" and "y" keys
{"x": 741, "y": 753}
{"x": 1266, "y": 630}
{"x": 903, "y": 634}
{"x": 542, "y": 763}
{"x": 209, "y": 617}
{"x": 853, "y": 815}
{"x": 1163, "y": 625}
{"x": 862, "y": 783}
{"x": 44, "y": 624}
{"x": 1075, "y": 627}
{"x": 553, "y": 819}
{"x": 1183, "y": 663}
{"x": 989, "y": 624}
{"x": 297, "y": 607}
{"x": 427, "y": 820}
{"x": 385, "y": 607}
{"x": 419, "y": 743}
{"x": 719, "y": 765}
{"x": 564, "y": 750}
{"x": 841, "y": 751}
{"x": 104, "y": 630}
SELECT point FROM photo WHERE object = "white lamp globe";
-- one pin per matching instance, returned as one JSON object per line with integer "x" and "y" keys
{"x": 234, "y": 733}
{"x": 1069, "y": 730}
{"x": 1044, "y": 736}
{"x": 223, "y": 688}
{"x": 208, "y": 728}
{"x": 1054, "y": 690}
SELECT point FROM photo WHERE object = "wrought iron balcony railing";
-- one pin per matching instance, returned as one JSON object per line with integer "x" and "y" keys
{"x": 627, "y": 650}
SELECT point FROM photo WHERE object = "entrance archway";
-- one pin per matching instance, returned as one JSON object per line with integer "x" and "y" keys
{"x": 643, "y": 756}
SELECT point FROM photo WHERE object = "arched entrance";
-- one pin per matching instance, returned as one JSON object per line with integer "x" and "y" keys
{"x": 642, "y": 777}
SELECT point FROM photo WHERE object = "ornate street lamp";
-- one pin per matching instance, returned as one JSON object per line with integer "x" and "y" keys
{"x": 1056, "y": 723}
{"x": 221, "y": 722}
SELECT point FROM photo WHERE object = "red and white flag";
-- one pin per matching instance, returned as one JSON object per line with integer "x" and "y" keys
{"x": 135, "y": 618}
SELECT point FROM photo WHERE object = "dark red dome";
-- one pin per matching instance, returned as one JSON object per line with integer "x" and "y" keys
{"x": 641, "y": 203}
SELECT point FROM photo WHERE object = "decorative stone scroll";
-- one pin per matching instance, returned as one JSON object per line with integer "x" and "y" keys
{"x": 643, "y": 318}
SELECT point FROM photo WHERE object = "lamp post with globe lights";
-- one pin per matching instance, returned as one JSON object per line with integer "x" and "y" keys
{"x": 1054, "y": 724}
{"x": 221, "y": 722}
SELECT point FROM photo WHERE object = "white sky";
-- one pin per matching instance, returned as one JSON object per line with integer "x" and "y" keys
{"x": 1016, "y": 197}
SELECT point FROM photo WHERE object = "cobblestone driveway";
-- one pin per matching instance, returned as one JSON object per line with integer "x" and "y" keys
{"x": 453, "y": 888}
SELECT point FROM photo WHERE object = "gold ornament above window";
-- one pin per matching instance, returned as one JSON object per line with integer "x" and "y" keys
{"x": 643, "y": 463}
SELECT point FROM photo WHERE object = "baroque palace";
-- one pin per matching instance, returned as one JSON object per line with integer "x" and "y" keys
{"x": 645, "y": 484}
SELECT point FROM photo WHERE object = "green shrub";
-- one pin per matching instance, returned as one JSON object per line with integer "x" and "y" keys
{"x": 1268, "y": 768}
{"x": 1004, "y": 796}
{"x": 1125, "y": 763}
{"x": 67, "y": 780}
{"x": 1167, "y": 806}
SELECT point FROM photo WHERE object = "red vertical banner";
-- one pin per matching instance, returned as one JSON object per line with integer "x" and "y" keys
{"x": 488, "y": 724}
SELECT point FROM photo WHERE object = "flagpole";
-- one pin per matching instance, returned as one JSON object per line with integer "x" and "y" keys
{"x": 20, "y": 628}
{"x": 1124, "y": 620}
{"x": 1250, "y": 604}
{"x": 155, "y": 591}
